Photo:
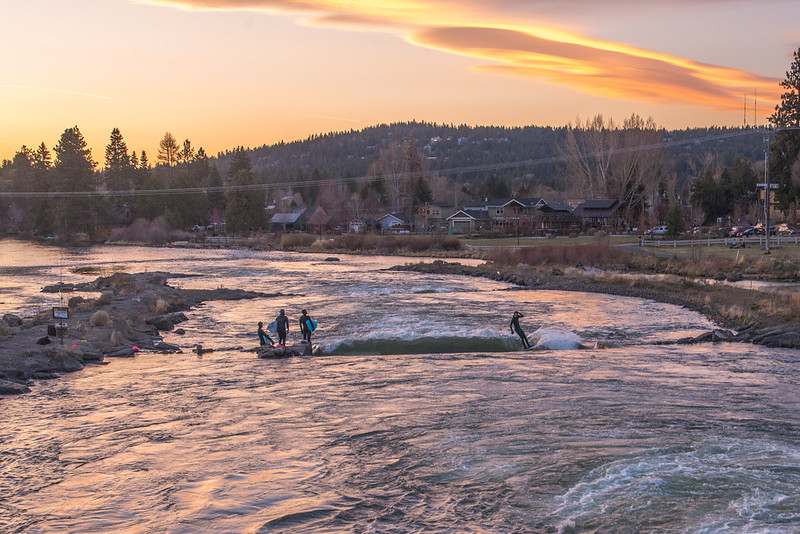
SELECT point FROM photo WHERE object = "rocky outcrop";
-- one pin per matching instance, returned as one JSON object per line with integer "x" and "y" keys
{"x": 138, "y": 306}
{"x": 268, "y": 351}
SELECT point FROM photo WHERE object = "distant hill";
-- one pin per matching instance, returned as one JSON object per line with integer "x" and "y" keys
{"x": 533, "y": 152}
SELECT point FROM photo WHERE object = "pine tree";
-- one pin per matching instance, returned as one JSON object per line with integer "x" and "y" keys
{"x": 787, "y": 113}
{"x": 674, "y": 221}
{"x": 168, "y": 152}
{"x": 73, "y": 173}
{"x": 785, "y": 150}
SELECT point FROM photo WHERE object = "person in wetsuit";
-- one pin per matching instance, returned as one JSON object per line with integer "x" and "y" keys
{"x": 515, "y": 327}
{"x": 263, "y": 337}
{"x": 282, "y": 323}
{"x": 304, "y": 326}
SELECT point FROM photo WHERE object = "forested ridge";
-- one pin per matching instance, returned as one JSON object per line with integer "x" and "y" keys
{"x": 496, "y": 148}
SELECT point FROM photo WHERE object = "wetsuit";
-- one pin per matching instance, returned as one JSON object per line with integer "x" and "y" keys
{"x": 515, "y": 327}
{"x": 282, "y": 323}
{"x": 304, "y": 328}
{"x": 263, "y": 337}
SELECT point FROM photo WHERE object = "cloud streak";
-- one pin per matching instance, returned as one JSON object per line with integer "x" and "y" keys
{"x": 515, "y": 48}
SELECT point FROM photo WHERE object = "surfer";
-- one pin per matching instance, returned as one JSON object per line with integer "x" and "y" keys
{"x": 305, "y": 326}
{"x": 263, "y": 337}
{"x": 282, "y": 326}
{"x": 515, "y": 327}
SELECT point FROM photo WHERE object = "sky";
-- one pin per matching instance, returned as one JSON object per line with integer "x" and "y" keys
{"x": 228, "y": 73}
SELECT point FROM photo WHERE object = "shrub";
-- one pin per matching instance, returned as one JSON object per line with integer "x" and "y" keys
{"x": 105, "y": 298}
{"x": 297, "y": 240}
{"x": 99, "y": 318}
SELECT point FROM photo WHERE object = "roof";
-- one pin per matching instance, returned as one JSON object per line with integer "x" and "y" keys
{"x": 555, "y": 206}
{"x": 285, "y": 218}
{"x": 471, "y": 213}
{"x": 400, "y": 217}
{"x": 597, "y": 207}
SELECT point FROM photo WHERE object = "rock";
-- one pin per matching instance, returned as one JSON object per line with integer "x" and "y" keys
{"x": 12, "y": 320}
{"x": 557, "y": 272}
{"x": 161, "y": 322}
{"x": 12, "y": 388}
{"x": 785, "y": 340}
{"x": 332, "y": 259}
{"x": 721, "y": 335}
{"x": 74, "y": 301}
{"x": 180, "y": 331}
{"x": 122, "y": 353}
{"x": 59, "y": 288}
{"x": 91, "y": 355}
{"x": 177, "y": 317}
{"x": 163, "y": 347}
{"x": 719, "y": 277}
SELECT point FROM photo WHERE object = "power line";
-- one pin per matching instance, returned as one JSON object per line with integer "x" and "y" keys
{"x": 395, "y": 176}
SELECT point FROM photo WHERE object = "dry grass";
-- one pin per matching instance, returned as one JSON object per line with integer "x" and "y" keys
{"x": 105, "y": 298}
{"x": 372, "y": 243}
{"x": 597, "y": 253}
{"x": 100, "y": 318}
{"x": 160, "y": 307}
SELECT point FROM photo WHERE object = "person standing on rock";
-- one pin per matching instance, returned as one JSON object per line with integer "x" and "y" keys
{"x": 516, "y": 328}
{"x": 263, "y": 337}
{"x": 306, "y": 326}
{"x": 282, "y": 324}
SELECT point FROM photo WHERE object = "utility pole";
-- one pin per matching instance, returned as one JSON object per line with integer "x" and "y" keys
{"x": 766, "y": 185}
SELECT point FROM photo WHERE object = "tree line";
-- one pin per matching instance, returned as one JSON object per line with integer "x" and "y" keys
{"x": 706, "y": 174}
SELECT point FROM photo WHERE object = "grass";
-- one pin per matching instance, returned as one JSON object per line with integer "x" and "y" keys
{"x": 541, "y": 241}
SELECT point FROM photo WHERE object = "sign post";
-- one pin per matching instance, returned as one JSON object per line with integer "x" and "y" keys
{"x": 61, "y": 313}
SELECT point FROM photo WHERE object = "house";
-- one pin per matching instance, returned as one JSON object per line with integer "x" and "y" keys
{"x": 285, "y": 221}
{"x": 599, "y": 213}
{"x": 531, "y": 214}
{"x": 553, "y": 217}
{"x": 433, "y": 216}
{"x": 468, "y": 220}
{"x": 394, "y": 221}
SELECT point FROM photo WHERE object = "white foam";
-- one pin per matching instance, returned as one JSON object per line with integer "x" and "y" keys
{"x": 556, "y": 339}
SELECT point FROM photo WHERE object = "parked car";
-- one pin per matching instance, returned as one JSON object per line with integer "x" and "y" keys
{"x": 759, "y": 230}
{"x": 739, "y": 231}
{"x": 657, "y": 230}
{"x": 786, "y": 229}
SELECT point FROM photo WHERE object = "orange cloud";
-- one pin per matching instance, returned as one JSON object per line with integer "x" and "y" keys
{"x": 595, "y": 67}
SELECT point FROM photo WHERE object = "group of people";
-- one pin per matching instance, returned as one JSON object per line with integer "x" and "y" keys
{"x": 307, "y": 326}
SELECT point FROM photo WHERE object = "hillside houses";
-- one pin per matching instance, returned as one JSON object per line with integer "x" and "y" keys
{"x": 521, "y": 216}
{"x": 536, "y": 216}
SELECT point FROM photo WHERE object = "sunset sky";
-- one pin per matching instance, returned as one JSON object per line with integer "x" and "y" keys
{"x": 253, "y": 72}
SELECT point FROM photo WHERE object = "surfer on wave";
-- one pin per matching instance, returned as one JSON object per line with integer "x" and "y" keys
{"x": 515, "y": 327}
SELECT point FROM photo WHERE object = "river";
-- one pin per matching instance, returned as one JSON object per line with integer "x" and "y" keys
{"x": 420, "y": 413}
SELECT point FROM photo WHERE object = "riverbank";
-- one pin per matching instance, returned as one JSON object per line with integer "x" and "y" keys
{"x": 767, "y": 318}
{"x": 127, "y": 317}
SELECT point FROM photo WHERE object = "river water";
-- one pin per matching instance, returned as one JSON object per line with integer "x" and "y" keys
{"x": 420, "y": 413}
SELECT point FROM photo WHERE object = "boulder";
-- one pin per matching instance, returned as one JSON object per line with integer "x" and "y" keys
{"x": 161, "y": 322}
{"x": 163, "y": 347}
{"x": 122, "y": 353}
{"x": 12, "y": 320}
{"x": 12, "y": 388}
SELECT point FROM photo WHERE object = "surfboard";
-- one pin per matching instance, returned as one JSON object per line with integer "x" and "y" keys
{"x": 273, "y": 326}
{"x": 311, "y": 324}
